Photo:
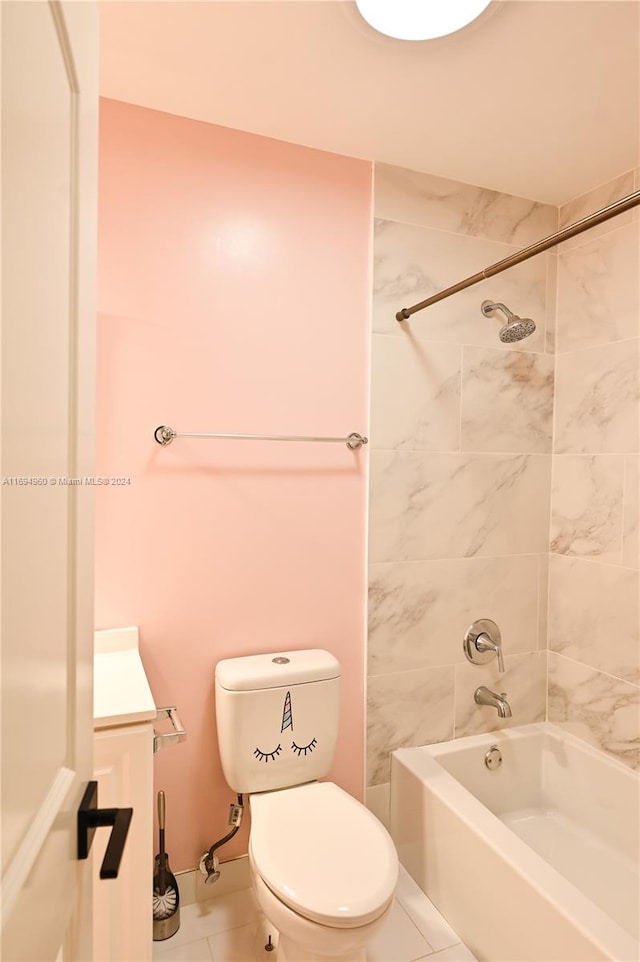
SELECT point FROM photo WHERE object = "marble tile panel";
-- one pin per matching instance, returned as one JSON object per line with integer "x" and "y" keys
{"x": 599, "y": 291}
{"x": 523, "y": 681}
{"x": 419, "y": 611}
{"x": 543, "y": 599}
{"x": 398, "y": 940}
{"x": 452, "y": 506}
{"x": 597, "y": 395}
{"x": 415, "y": 394}
{"x": 200, "y": 920}
{"x": 586, "y": 506}
{"x": 551, "y": 301}
{"x": 191, "y": 952}
{"x": 405, "y": 709}
{"x": 455, "y": 953}
{"x": 429, "y": 201}
{"x": 602, "y": 710}
{"x": 631, "y": 523}
{"x": 594, "y": 615}
{"x": 411, "y": 263}
{"x": 245, "y": 943}
{"x": 423, "y": 913}
{"x": 592, "y": 201}
{"x": 507, "y": 401}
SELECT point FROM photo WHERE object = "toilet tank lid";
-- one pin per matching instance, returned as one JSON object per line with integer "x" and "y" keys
{"x": 276, "y": 669}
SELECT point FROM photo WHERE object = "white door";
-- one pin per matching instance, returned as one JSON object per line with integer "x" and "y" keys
{"x": 49, "y": 56}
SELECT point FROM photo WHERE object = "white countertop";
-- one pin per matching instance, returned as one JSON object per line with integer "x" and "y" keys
{"x": 121, "y": 693}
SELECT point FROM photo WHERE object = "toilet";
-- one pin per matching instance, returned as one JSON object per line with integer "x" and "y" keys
{"x": 323, "y": 868}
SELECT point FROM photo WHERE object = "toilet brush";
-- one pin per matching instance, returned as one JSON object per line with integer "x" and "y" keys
{"x": 166, "y": 898}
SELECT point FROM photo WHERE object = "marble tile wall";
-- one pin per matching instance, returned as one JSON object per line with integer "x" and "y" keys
{"x": 594, "y": 587}
{"x": 461, "y": 437}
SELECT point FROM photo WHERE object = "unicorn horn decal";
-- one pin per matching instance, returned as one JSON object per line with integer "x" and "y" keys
{"x": 287, "y": 717}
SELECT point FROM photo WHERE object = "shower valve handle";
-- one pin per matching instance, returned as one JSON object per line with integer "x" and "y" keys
{"x": 482, "y": 643}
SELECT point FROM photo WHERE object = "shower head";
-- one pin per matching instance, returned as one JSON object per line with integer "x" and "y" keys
{"x": 516, "y": 327}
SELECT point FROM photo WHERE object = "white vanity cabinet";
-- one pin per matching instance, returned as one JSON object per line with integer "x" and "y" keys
{"x": 124, "y": 713}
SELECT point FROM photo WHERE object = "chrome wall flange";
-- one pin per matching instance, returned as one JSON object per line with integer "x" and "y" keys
{"x": 488, "y": 308}
{"x": 483, "y": 642}
{"x": 164, "y": 435}
{"x": 355, "y": 441}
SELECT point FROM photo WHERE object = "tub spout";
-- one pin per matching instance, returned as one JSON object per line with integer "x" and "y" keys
{"x": 484, "y": 696}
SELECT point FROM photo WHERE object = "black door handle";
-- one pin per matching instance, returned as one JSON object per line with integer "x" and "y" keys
{"x": 91, "y": 817}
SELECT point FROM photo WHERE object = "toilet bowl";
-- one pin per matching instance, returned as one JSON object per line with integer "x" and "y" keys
{"x": 324, "y": 871}
{"x": 301, "y": 940}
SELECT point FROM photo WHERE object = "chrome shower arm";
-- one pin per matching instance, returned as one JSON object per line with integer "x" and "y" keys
{"x": 490, "y": 307}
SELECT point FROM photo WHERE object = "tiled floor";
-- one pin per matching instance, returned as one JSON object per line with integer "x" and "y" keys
{"x": 232, "y": 928}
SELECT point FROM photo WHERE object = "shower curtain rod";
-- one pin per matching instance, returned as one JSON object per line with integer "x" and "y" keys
{"x": 625, "y": 203}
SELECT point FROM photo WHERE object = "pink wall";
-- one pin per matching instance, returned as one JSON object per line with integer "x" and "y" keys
{"x": 234, "y": 296}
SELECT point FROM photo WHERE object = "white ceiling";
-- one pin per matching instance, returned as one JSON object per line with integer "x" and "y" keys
{"x": 538, "y": 98}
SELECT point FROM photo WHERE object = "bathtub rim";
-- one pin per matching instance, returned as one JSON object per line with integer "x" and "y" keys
{"x": 609, "y": 936}
{"x": 517, "y": 732}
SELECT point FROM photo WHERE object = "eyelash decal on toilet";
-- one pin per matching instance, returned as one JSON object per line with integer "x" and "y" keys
{"x": 305, "y": 748}
{"x": 267, "y": 756}
{"x": 287, "y": 717}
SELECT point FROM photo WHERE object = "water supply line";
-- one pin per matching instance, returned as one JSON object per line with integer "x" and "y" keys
{"x": 209, "y": 862}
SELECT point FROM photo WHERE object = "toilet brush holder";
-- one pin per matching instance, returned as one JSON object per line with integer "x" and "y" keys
{"x": 166, "y": 897}
{"x": 165, "y": 928}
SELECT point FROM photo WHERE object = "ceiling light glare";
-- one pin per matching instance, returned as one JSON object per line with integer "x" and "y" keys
{"x": 420, "y": 19}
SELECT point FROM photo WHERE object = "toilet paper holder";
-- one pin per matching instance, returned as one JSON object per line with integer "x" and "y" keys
{"x": 178, "y": 733}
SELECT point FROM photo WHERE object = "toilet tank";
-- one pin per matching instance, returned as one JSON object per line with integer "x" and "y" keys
{"x": 277, "y": 718}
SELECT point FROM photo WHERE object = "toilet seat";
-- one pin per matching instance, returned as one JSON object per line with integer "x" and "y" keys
{"x": 323, "y": 854}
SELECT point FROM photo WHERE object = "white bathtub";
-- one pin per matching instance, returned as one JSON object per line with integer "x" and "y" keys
{"x": 536, "y": 861}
